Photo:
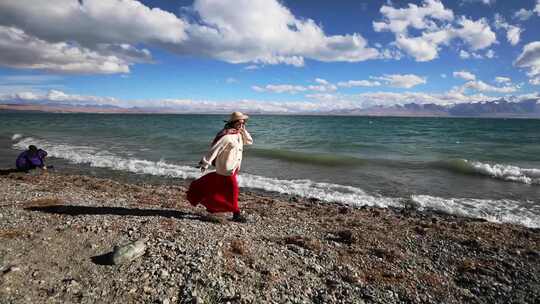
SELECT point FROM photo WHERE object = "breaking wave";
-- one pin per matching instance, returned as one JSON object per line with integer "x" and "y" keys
{"x": 498, "y": 171}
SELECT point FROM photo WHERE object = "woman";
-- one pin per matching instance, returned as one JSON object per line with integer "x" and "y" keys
{"x": 218, "y": 191}
{"x": 31, "y": 159}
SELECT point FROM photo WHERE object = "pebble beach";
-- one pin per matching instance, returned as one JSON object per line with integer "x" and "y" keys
{"x": 57, "y": 230}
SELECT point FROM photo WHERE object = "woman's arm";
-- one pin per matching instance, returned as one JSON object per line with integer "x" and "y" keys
{"x": 246, "y": 137}
{"x": 207, "y": 160}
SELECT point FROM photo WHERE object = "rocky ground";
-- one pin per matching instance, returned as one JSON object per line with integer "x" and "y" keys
{"x": 56, "y": 232}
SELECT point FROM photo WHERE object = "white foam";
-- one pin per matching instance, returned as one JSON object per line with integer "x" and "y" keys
{"x": 16, "y": 136}
{"x": 524, "y": 213}
{"x": 324, "y": 191}
{"x": 498, "y": 211}
{"x": 105, "y": 159}
{"x": 305, "y": 188}
{"x": 507, "y": 172}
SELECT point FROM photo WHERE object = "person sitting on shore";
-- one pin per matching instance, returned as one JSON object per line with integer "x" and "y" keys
{"x": 31, "y": 159}
{"x": 218, "y": 191}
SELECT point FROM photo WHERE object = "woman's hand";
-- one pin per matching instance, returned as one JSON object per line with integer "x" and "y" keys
{"x": 202, "y": 167}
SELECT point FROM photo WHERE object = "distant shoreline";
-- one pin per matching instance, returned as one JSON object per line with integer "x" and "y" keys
{"x": 15, "y": 108}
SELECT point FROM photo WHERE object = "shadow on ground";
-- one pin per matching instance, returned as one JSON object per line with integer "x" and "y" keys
{"x": 101, "y": 210}
{"x": 104, "y": 259}
{"x": 9, "y": 171}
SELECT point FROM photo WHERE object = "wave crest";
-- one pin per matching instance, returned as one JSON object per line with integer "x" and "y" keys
{"x": 498, "y": 171}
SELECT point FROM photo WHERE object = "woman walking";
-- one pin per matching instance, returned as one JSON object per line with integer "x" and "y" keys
{"x": 218, "y": 191}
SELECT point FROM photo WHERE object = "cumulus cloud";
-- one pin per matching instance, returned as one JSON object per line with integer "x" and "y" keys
{"x": 20, "y": 50}
{"x": 398, "y": 20}
{"x": 266, "y": 32}
{"x": 466, "y": 55}
{"x": 477, "y": 34}
{"x": 530, "y": 59}
{"x": 523, "y": 14}
{"x": 321, "y": 85}
{"x": 513, "y": 33}
{"x": 402, "y": 80}
{"x": 392, "y": 98}
{"x": 486, "y": 2}
{"x": 359, "y": 83}
{"x": 464, "y": 75}
{"x": 235, "y": 31}
{"x": 500, "y": 79}
{"x": 481, "y": 86}
{"x": 57, "y": 96}
{"x": 437, "y": 27}
{"x": 92, "y": 22}
{"x": 280, "y": 88}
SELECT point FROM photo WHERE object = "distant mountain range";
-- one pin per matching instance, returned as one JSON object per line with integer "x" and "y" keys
{"x": 529, "y": 108}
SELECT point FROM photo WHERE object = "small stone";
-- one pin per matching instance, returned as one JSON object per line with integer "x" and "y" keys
{"x": 13, "y": 268}
{"x": 163, "y": 274}
{"x": 165, "y": 301}
{"x": 147, "y": 289}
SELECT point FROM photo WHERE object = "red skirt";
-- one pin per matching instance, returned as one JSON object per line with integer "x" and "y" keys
{"x": 218, "y": 193}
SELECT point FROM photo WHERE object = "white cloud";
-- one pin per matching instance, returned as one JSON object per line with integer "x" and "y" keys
{"x": 391, "y": 98}
{"x": 402, "y": 80}
{"x": 464, "y": 75}
{"x": 280, "y": 88}
{"x": 500, "y": 79}
{"x": 443, "y": 75}
{"x": 319, "y": 102}
{"x": 523, "y": 14}
{"x": 486, "y": 2}
{"x": 20, "y": 50}
{"x": 530, "y": 59}
{"x": 235, "y": 31}
{"x": 466, "y": 55}
{"x": 477, "y": 34}
{"x": 537, "y": 7}
{"x": 231, "y": 80}
{"x": 322, "y": 86}
{"x": 481, "y": 86}
{"x": 398, "y": 20}
{"x": 436, "y": 26}
{"x": 92, "y": 22}
{"x": 56, "y": 96}
{"x": 265, "y": 31}
{"x": 420, "y": 48}
{"x": 358, "y": 83}
{"x": 513, "y": 32}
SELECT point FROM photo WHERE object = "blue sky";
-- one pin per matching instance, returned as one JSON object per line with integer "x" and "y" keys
{"x": 268, "y": 55}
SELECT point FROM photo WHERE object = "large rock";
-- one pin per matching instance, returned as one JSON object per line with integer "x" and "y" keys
{"x": 129, "y": 252}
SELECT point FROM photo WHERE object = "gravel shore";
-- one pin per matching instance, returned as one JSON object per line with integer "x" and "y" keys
{"x": 57, "y": 232}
